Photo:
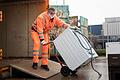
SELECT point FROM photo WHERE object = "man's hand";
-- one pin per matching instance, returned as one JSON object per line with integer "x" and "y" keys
{"x": 43, "y": 42}
{"x": 66, "y": 26}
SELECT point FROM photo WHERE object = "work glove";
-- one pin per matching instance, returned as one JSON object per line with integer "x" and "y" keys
{"x": 66, "y": 26}
{"x": 43, "y": 42}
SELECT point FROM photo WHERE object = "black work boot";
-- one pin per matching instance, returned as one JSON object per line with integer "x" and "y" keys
{"x": 35, "y": 65}
{"x": 45, "y": 67}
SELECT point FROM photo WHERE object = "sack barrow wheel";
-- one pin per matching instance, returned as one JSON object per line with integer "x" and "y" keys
{"x": 65, "y": 71}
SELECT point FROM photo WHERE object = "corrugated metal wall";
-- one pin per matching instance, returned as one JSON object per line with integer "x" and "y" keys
{"x": 17, "y": 41}
{"x": 15, "y": 37}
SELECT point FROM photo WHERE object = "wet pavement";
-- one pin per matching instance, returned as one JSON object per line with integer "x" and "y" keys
{"x": 83, "y": 73}
{"x": 87, "y": 73}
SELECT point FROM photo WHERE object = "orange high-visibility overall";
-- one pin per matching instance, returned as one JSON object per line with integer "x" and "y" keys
{"x": 40, "y": 31}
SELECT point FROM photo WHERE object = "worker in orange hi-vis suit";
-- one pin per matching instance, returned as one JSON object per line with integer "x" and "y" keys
{"x": 40, "y": 34}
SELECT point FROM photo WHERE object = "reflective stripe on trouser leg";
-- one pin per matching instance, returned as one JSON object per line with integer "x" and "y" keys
{"x": 45, "y": 51}
{"x": 36, "y": 46}
{"x": 44, "y": 59}
{"x": 45, "y": 55}
{"x": 35, "y": 56}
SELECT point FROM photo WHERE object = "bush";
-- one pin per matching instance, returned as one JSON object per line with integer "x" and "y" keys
{"x": 101, "y": 52}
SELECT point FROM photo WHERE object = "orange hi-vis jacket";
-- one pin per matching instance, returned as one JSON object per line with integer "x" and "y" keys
{"x": 43, "y": 24}
{"x": 40, "y": 30}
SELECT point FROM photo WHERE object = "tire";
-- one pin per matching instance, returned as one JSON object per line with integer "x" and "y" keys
{"x": 65, "y": 71}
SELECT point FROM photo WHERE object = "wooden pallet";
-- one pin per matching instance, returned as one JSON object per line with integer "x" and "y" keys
{"x": 4, "y": 69}
{"x": 4, "y": 72}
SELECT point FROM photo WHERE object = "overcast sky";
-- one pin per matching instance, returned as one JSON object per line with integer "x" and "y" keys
{"x": 94, "y": 10}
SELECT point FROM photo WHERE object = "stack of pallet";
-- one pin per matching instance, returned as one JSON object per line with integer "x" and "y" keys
{"x": 0, "y": 54}
{"x": 4, "y": 72}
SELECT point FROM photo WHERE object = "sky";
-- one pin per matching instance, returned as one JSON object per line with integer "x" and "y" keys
{"x": 94, "y": 10}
